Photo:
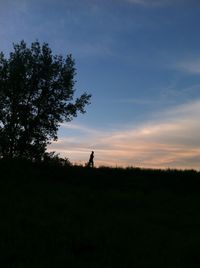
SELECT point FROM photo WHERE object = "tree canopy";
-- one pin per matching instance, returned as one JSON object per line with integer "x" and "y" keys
{"x": 36, "y": 96}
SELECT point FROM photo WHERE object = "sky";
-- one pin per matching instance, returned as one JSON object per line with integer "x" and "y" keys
{"x": 140, "y": 60}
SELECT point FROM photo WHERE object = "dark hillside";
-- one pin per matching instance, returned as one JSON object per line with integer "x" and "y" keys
{"x": 77, "y": 217}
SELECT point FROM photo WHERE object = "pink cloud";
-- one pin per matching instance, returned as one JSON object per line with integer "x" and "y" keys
{"x": 172, "y": 141}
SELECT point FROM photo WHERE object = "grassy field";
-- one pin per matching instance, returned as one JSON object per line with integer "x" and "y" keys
{"x": 79, "y": 217}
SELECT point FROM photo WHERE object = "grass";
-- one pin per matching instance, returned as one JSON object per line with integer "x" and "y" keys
{"x": 78, "y": 217}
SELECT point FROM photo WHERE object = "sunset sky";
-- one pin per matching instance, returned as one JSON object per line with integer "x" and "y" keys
{"x": 140, "y": 60}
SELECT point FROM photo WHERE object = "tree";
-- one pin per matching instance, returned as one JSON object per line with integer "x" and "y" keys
{"x": 36, "y": 96}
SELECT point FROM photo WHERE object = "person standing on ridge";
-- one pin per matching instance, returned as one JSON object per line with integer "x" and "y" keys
{"x": 91, "y": 160}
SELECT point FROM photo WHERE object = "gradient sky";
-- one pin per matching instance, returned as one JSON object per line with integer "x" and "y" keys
{"x": 140, "y": 60}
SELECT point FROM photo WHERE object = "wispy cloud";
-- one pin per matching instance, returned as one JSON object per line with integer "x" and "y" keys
{"x": 153, "y": 3}
{"x": 172, "y": 142}
{"x": 190, "y": 66}
{"x": 147, "y": 2}
{"x": 79, "y": 128}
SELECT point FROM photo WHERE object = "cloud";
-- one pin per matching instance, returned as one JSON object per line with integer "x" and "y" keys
{"x": 171, "y": 141}
{"x": 190, "y": 66}
{"x": 79, "y": 128}
{"x": 146, "y": 2}
{"x": 153, "y": 3}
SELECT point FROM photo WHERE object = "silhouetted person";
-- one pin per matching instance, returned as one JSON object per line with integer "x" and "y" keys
{"x": 91, "y": 160}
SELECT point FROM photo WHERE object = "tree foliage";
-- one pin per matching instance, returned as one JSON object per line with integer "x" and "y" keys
{"x": 36, "y": 96}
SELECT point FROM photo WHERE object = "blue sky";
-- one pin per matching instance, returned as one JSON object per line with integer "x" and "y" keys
{"x": 140, "y": 60}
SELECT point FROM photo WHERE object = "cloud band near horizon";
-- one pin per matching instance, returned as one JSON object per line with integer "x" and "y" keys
{"x": 172, "y": 142}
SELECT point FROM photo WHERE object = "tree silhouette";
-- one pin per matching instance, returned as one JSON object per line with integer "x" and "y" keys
{"x": 36, "y": 96}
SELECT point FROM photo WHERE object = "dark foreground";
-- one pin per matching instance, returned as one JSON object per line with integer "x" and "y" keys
{"x": 79, "y": 217}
